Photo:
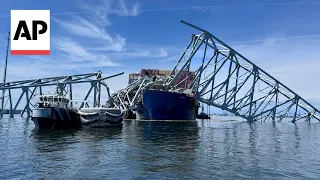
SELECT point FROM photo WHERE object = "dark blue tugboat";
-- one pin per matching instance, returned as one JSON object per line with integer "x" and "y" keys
{"x": 203, "y": 115}
{"x": 167, "y": 105}
{"x": 53, "y": 112}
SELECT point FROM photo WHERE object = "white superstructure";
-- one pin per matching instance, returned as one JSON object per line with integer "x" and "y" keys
{"x": 53, "y": 101}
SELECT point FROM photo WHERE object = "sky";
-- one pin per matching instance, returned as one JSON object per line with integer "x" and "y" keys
{"x": 280, "y": 36}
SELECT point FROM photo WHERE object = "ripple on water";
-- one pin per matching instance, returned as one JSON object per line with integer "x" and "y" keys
{"x": 205, "y": 149}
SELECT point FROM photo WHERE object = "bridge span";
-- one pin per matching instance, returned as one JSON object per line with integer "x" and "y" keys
{"x": 224, "y": 78}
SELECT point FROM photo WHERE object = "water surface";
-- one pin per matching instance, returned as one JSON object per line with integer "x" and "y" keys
{"x": 205, "y": 149}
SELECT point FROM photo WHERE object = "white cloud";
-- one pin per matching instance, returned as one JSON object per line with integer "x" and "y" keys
{"x": 76, "y": 53}
{"x": 82, "y": 27}
{"x": 102, "y": 10}
{"x": 163, "y": 53}
{"x": 95, "y": 25}
{"x": 154, "y": 53}
{"x": 19, "y": 69}
{"x": 104, "y": 42}
{"x": 123, "y": 9}
{"x": 73, "y": 49}
{"x": 91, "y": 27}
{"x": 135, "y": 9}
{"x": 117, "y": 46}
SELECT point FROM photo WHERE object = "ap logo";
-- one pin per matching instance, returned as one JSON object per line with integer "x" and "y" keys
{"x": 30, "y": 32}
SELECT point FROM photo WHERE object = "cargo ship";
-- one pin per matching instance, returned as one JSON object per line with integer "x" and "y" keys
{"x": 156, "y": 102}
{"x": 149, "y": 97}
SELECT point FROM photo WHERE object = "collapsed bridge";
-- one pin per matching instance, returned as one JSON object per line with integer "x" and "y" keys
{"x": 223, "y": 78}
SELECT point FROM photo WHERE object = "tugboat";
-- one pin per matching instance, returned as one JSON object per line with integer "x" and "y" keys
{"x": 101, "y": 117}
{"x": 53, "y": 112}
{"x": 203, "y": 115}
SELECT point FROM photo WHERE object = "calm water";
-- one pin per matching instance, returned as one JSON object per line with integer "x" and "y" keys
{"x": 207, "y": 149}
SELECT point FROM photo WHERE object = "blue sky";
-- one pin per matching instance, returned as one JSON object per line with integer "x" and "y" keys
{"x": 280, "y": 36}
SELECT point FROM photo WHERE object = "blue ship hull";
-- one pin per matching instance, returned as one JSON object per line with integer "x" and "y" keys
{"x": 164, "y": 105}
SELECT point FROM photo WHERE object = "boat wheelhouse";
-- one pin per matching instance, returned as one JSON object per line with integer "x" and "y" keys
{"x": 53, "y": 101}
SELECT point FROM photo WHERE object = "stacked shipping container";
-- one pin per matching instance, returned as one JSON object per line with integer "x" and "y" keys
{"x": 162, "y": 74}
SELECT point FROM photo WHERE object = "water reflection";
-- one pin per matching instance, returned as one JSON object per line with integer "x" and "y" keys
{"x": 163, "y": 147}
{"x": 100, "y": 134}
{"x": 1, "y": 123}
{"x": 253, "y": 152}
{"x": 275, "y": 145}
{"x": 75, "y": 151}
{"x": 53, "y": 146}
{"x": 161, "y": 150}
{"x": 297, "y": 136}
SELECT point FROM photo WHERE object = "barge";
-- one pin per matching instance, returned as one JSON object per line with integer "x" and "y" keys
{"x": 99, "y": 117}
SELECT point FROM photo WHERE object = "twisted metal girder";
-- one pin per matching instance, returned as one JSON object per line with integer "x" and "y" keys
{"x": 128, "y": 97}
{"x": 225, "y": 79}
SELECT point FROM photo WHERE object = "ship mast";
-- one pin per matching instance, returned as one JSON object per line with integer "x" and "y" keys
{"x": 5, "y": 74}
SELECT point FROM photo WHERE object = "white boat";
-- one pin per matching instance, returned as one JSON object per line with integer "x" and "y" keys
{"x": 100, "y": 117}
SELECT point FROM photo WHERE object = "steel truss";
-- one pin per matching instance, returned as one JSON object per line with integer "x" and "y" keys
{"x": 223, "y": 78}
{"x": 31, "y": 88}
{"x": 128, "y": 97}
{"x": 226, "y": 79}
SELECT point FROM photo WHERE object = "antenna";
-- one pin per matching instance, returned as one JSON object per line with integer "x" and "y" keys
{"x": 5, "y": 73}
